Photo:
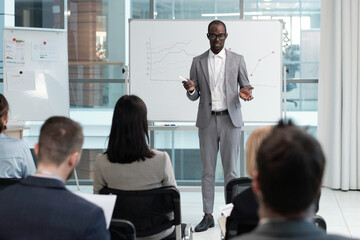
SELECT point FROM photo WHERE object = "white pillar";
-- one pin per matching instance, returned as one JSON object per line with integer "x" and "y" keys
{"x": 7, "y": 19}
{"x": 7, "y": 13}
{"x": 118, "y": 44}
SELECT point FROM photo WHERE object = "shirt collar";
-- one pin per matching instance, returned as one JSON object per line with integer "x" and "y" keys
{"x": 221, "y": 54}
{"x": 2, "y": 135}
{"x": 43, "y": 182}
{"x": 280, "y": 220}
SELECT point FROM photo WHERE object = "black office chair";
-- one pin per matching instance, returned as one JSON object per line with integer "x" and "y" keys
{"x": 151, "y": 211}
{"x": 320, "y": 222}
{"x": 233, "y": 188}
{"x": 236, "y": 186}
{"x": 122, "y": 230}
{"x": 289, "y": 88}
{"x": 6, "y": 182}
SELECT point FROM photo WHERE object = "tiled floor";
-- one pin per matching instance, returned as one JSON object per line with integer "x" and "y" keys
{"x": 341, "y": 210}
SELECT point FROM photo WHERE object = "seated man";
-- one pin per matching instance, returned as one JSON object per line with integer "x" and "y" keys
{"x": 40, "y": 207}
{"x": 290, "y": 165}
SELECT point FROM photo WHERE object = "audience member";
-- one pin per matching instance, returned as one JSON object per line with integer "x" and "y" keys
{"x": 40, "y": 207}
{"x": 244, "y": 216}
{"x": 290, "y": 165}
{"x": 16, "y": 160}
{"x": 129, "y": 163}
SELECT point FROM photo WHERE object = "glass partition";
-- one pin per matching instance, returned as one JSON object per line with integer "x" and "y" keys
{"x": 40, "y": 13}
{"x": 98, "y": 53}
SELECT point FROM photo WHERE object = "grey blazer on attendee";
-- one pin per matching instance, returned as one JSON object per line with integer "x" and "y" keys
{"x": 235, "y": 76}
{"x": 289, "y": 230}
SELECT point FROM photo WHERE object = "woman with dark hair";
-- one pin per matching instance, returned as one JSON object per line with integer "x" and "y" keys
{"x": 16, "y": 160}
{"x": 129, "y": 163}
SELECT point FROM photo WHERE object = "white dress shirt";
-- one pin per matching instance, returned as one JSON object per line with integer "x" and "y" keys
{"x": 16, "y": 160}
{"x": 216, "y": 63}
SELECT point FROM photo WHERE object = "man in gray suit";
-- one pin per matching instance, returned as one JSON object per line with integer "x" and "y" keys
{"x": 216, "y": 77}
{"x": 290, "y": 166}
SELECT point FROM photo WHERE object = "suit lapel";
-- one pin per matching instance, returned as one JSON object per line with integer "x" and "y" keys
{"x": 227, "y": 66}
{"x": 204, "y": 66}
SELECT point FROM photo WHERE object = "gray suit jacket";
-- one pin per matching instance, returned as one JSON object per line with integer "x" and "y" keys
{"x": 235, "y": 77}
{"x": 289, "y": 230}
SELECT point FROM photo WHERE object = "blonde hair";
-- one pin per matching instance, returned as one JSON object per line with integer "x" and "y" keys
{"x": 252, "y": 146}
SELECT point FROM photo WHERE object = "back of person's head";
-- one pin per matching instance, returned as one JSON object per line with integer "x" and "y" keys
{"x": 252, "y": 146}
{"x": 59, "y": 138}
{"x": 290, "y": 165}
{"x": 4, "y": 109}
{"x": 129, "y": 131}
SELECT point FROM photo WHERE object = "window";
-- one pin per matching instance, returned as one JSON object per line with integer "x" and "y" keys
{"x": 98, "y": 53}
{"x": 301, "y": 45}
{"x": 39, "y": 13}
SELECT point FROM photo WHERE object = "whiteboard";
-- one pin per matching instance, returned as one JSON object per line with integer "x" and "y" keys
{"x": 161, "y": 50}
{"x": 36, "y": 80}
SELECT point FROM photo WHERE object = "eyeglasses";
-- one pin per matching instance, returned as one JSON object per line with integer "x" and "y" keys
{"x": 212, "y": 36}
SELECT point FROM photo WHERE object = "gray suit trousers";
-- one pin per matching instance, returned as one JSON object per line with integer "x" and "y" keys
{"x": 219, "y": 132}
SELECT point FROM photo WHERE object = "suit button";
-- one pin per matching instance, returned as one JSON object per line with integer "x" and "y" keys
{"x": 210, "y": 104}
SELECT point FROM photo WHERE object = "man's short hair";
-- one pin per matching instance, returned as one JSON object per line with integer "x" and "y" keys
{"x": 216, "y": 22}
{"x": 290, "y": 166}
{"x": 59, "y": 137}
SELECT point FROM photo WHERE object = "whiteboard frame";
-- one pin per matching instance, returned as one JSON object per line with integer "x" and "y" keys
{"x": 60, "y": 105}
{"x": 225, "y": 21}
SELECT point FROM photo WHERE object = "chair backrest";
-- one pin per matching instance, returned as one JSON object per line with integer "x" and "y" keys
{"x": 319, "y": 221}
{"x": 6, "y": 182}
{"x": 236, "y": 186}
{"x": 122, "y": 230}
{"x": 151, "y": 211}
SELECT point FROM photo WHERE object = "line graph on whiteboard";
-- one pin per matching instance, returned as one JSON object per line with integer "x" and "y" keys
{"x": 167, "y": 60}
{"x": 253, "y": 74}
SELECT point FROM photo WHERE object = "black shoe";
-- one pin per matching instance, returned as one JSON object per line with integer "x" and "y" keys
{"x": 206, "y": 222}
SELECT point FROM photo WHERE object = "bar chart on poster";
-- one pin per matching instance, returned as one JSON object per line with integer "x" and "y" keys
{"x": 162, "y": 50}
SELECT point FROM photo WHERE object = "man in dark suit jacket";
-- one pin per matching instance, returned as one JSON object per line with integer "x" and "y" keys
{"x": 40, "y": 207}
{"x": 290, "y": 165}
{"x": 219, "y": 78}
